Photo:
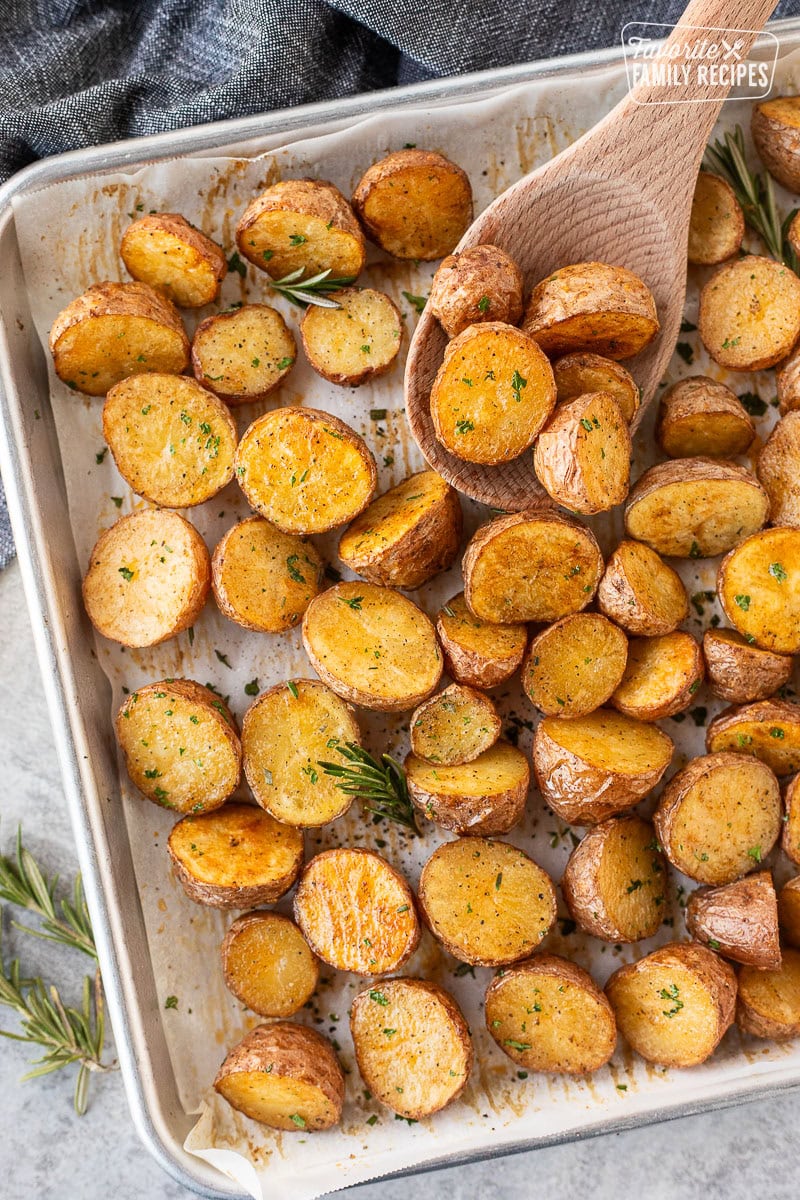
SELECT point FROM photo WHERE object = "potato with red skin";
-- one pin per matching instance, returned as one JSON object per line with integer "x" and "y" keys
{"x": 478, "y": 653}
{"x": 740, "y": 672}
{"x": 702, "y": 417}
{"x": 482, "y": 283}
{"x": 738, "y": 920}
{"x": 641, "y": 592}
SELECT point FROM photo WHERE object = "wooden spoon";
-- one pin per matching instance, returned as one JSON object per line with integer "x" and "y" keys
{"x": 622, "y": 194}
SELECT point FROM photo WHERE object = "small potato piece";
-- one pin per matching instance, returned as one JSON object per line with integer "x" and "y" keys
{"x": 148, "y": 578}
{"x": 356, "y": 342}
{"x": 243, "y": 355}
{"x": 305, "y": 470}
{"x": 285, "y": 734}
{"x": 454, "y": 727}
{"x": 788, "y": 383}
{"x": 750, "y": 313}
{"x": 758, "y": 585}
{"x": 700, "y": 416}
{"x": 164, "y": 250}
{"x": 478, "y": 653}
{"x": 482, "y": 283}
{"x": 115, "y": 330}
{"x": 739, "y": 921}
{"x": 372, "y": 646}
{"x": 492, "y": 394}
{"x": 549, "y": 1015}
{"x": 590, "y": 768}
{"x": 577, "y": 374}
{"x": 286, "y": 1076}
{"x": 414, "y": 204}
{"x": 592, "y": 307}
{"x": 356, "y": 912}
{"x": 537, "y": 565}
{"x": 790, "y": 839}
{"x": 719, "y": 817}
{"x": 235, "y": 857}
{"x": 267, "y": 964}
{"x": 302, "y": 225}
{"x": 778, "y": 470}
{"x": 661, "y": 676}
{"x": 172, "y": 441}
{"x": 180, "y": 745}
{"x": 739, "y": 672}
{"x": 674, "y": 1006}
{"x": 695, "y": 507}
{"x": 573, "y": 666}
{"x": 486, "y": 902}
{"x": 789, "y": 911}
{"x": 407, "y": 535}
{"x": 768, "y": 1003}
{"x": 716, "y": 225}
{"x": 485, "y": 797}
{"x": 264, "y": 579}
{"x": 768, "y": 729}
{"x": 641, "y": 593}
{"x": 775, "y": 126}
{"x": 412, "y": 1045}
{"x": 583, "y": 456}
{"x": 615, "y": 880}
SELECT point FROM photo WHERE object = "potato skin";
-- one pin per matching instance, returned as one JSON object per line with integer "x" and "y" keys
{"x": 191, "y": 283}
{"x": 777, "y": 471}
{"x": 624, "y": 594}
{"x": 344, "y": 254}
{"x": 562, "y": 456}
{"x": 789, "y": 911}
{"x": 777, "y": 138}
{"x": 482, "y": 283}
{"x": 777, "y": 725}
{"x": 790, "y": 838}
{"x": 258, "y": 599}
{"x": 787, "y": 382}
{"x": 738, "y": 672}
{"x": 776, "y": 1015}
{"x": 579, "y": 373}
{"x": 717, "y": 234}
{"x": 702, "y": 417}
{"x": 480, "y": 666}
{"x": 734, "y": 305}
{"x": 496, "y": 811}
{"x": 739, "y": 920}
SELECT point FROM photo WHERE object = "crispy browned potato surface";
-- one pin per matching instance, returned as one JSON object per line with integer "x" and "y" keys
{"x": 485, "y": 796}
{"x": 789, "y": 911}
{"x": 740, "y": 672}
{"x": 482, "y": 283}
{"x": 768, "y": 1003}
{"x": 768, "y": 729}
{"x": 302, "y": 225}
{"x": 775, "y": 126}
{"x": 574, "y": 665}
{"x": 702, "y": 417}
{"x": 661, "y": 677}
{"x": 716, "y": 225}
{"x": 758, "y": 585}
{"x": 750, "y": 313}
{"x": 267, "y": 964}
{"x": 455, "y": 726}
{"x": 790, "y": 839}
{"x": 579, "y": 373}
{"x": 243, "y": 354}
{"x": 478, "y": 653}
{"x": 265, "y": 579}
{"x": 175, "y": 258}
{"x": 582, "y": 457}
{"x": 778, "y": 470}
{"x": 739, "y": 920}
{"x": 641, "y": 592}
{"x": 356, "y": 342}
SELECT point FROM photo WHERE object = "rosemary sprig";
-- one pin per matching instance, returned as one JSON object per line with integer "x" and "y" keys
{"x": 22, "y": 882}
{"x": 379, "y": 782}
{"x": 303, "y": 292}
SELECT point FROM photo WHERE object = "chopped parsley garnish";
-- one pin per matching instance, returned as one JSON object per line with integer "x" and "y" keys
{"x": 126, "y": 573}
{"x": 171, "y": 1002}
{"x": 742, "y": 601}
{"x": 483, "y": 304}
{"x": 777, "y": 571}
{"x": 251, "y": 688}
{"x": 464, "y": 426}
{"x": 235, "y": 264}
{"x": 353, "y": 602}
{"x": 517, "y": 384}
{"x": 417, "y": 302}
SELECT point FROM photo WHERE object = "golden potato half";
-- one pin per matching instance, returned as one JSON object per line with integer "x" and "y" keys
{"x": 243, "y": 354}
{"x": 768, "y": 1003}
{"x": 758, "y": 585}
{"x": 478, "y": 653}
{"x": 702, "y": 417}
{"x": 175, "y": 258}
{"x": 485, "y": 796}
{"x": 267, "y": 964}
{"x": 778, "y": 470}
{"x": 574, "y": 665}
{"x": 302, "y": 225}
{"x": 455, "y": 726}
{"x": 577, "y": 374}
{"x": 789, "y": 911}
{"x": 479, "y": 284}
{"x": 583, "y": 456}
{"x": 750, "y": 313}
{"x": 661, "y": 677}
{"x": 775, "y": 126}
{"x": 716, "y": 225}
{"x": 265, "y": 579}
{"x": 790, "y": 839}
{"x": 356, "y": 342}
{"x": 740, "y": 672}
{"x": 768, "y": 729}
{"x": 641, "y": 592}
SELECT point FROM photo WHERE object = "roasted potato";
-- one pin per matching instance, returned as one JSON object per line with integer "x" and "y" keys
{"x": 590, "y": 768}
{"x": 739, "y": 921}
{"x": 536, "y": 565}
{"x": 492, "y": 394}
{"x": 480, "y": 284}
{"x": 414, "y": 204}
{"x": 478, "y": 653}
{"x": 695, "y": 507}
{"x": 235, "y": 857}
{"x": 243, "y": 354}
{"x": 661, "y": 677}
{"x": 788, "y": 384}
{"x": 486, "y": 901}
{"x": 702, "y": 417}
{"x": 739, "y": 672}
{"x": 775, "y": 126}
{"x": 305, "y": 470}
{"x": 592, "y": 307}
{"x": 412, "y": 1044}
{"x": 148, "y": 578}
{"x": 719, "y": 817}
{"x": 286, "y": 1076}
{"x": 548, "y": 1014}
{"x": 790, "y": 838}
{"x": 267, "y": 964}
{"x": 285, "y": 734}
{"x": 175, "y": 258}
{"x": 302, "y": 225}
{"x": 582, "y": 457}
{"x": 789, "y": 911}
{"x": 758, "y": 585}
{"x": 180, "y": 744}
{"x": 485, "y": 797}
{"x": 750, "y": 313}
{"x": 768, "y": 1002}
{"x": 641, "y": 593}
{"x": 372, "y": 646}
{"x": 264, "y": 579}
{"x": 355, "y": 342}
{"x": 574, "y": 665}
{"x": 407, "y": 535}
{"x": 716, "y": 225}
{"x": 577, "y": 374}
{"x": 115, "y": 330}
{"x": 768, "y": 729}
{"x": 778, "y": 470}
{"x": 674, "y": 1006}
{"x": 454, "y": 727}
{"x": 356, "y": 911}
{"x": 615, "y": 881}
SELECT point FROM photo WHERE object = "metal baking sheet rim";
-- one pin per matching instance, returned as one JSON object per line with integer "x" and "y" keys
{"x": 153, "y": 1118}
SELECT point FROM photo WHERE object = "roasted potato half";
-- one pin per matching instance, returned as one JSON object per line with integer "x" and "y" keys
{"x": 641, "y": 592}
{"x": 789, "y": 911}
{"x": 485, "y": 797}
{"x": 787, "y": 382}
{"x": 582, "y": 457}
{"x": 482, "y": 283}
{"x": 790, "y": 838}
{"x": 454, "y": 727}
{"x": 355, "y": 342}
{"x": 739, "y": 921}
{"x": 739, "y": 672}
{"x": 267, "y": 964}
{"x": 302, "y": 225}
{"x": 661, "y": 676}
{"x": 768, "y": 1002}
{"x": 573, "y": 666}
{"x": 750, "y": 313}
{"x": 175, "y": 258}
{"x": 478, "y": 653}
{"x": 702, "y": 417}
{"x": 243, "y": 354}
{"x": 716, "y": 224}
{"x": 778, "y": 470}
{"x": 264, "y": 579}
{"x": 775, "y": 126}
{"x": 577, "y": 374}
{"x": 758, "y": 585}
{"x": 768, "y": 729}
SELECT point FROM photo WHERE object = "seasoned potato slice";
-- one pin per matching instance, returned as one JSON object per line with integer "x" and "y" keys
{"x": 674, "y": 1006}
{"x": 407, "y": 535}
{"x": 789, "y": 911}
{"x": 758, "y": 585}
{"x": 695, "y": 507}
{"x": 583, "y": 456}
{"x": 115, "y": 330}
{"x": 180, "y": 745}
{"x": 172, "y": 441}
{"x": 243, "y": 354}
{"x": 768, "y": 1003}
{"x": 739, "y": 921}
{"x": 790, "y": 838}
{"x": 615, "y": 881}
{"x": 486, "y": 902}
{"x": 641, "y": 593}
{"x": 775, "y": 126}
{"x": 590, "y": 768}
{"x": 719, "y": 817}
{"x": 414, "y": 204}
{"x": 264, "y": 579}
{"x": 148, "y": 578}
{"x": 412, "y": 1045}
{"x": 592, "y": 307}
{"x": 492, "y": 394}
{"x": 661, "y": 677}
{"x": 716, "y": 226}
{"x": 285, "y": 734}
{"x": 536, "y": 565}
{"x": 549, "y": 1015}
{"x": 750, "y": 313}
{"x": 302, "y": 225}
{"x": 305, "y": 470}
{"x": 356, "y": 912}
{"x": 768, "y": 729}
{"x": 286, "y": 1076}
{"x": 267, "y": 964}
{"x": 739, "y": 672}
{"x": 700, "y": 416}
{"x": 486, "y": 796}
{"x": 175, "y": 258}
{"x": 454, "y": 727}
{"x": 573, "y": 666}
{"x": 778, "y": 470}
{"x": 478, "y": 653}
{"x": 577, "y": 374}
{"x": 482, "y": 283}
{"x": 787, "y": 382}
{"x": 235, "y": 857}
{"x": 356, "y": 342}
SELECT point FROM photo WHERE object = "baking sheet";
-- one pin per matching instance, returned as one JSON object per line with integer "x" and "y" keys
{"x": 68, "y": 236}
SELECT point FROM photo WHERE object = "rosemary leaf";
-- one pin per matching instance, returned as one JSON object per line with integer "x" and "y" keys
{"x": 23, "y": 883}
{"x": 381, "y": 783}
{"x": 303, "y": 292}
